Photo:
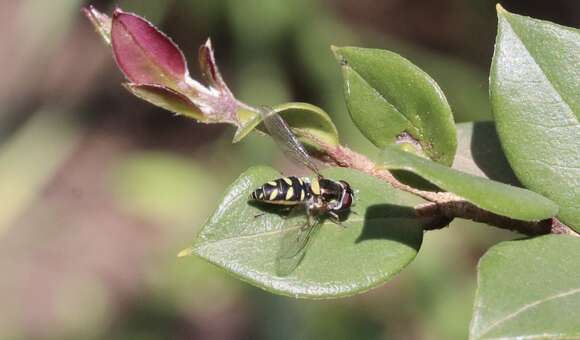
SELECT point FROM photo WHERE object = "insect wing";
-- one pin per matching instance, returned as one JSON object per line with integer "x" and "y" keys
{"x": 294, "y": 244}
{"x": 285, "y": 139}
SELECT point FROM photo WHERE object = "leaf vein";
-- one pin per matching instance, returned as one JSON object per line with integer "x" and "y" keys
{"x": 526, "y": 307}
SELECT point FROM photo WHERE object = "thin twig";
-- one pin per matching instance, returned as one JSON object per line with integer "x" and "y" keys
{"x": 443, "y": 207}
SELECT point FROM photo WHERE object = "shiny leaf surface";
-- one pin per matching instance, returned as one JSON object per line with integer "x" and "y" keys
{"x": 534, "y": 83}
{"x": 529, "y": 289}
{"x": 381, "y": 236}
{"x": 311, "y": 124}
{"x": 389, "y": 97}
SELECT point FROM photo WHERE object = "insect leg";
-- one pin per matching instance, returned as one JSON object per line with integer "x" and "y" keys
{"x": 335, "y": 218}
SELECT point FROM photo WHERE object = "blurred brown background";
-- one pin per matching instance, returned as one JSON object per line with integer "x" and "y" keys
{"x": 99, "y": 190}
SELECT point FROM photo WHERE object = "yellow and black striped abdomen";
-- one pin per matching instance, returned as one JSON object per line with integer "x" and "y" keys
{"x": 285, "y": 191}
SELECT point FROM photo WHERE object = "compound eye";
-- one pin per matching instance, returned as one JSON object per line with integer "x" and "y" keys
{"x": 346, "y": 200}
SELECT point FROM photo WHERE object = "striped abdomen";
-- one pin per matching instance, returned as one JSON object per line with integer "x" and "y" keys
{"x": 287, "y": 191}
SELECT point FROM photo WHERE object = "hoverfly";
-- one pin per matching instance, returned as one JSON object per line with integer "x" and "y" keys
{"x": 319, "y": 197}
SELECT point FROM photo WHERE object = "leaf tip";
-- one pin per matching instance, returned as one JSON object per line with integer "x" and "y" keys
{"x": 207, "y": 63}
{"x": 248, "y": 126}
{"x": 100, "y": 21}
{"x": 87, "y": 10}
{"x": 207, "y": 43}
{"x": 186, "y": 252}
{"x": 117, "y": 11}
{"x": 238, "y": 136}
{"x": 499, "y": 8}
{"x": 336, "y": 50}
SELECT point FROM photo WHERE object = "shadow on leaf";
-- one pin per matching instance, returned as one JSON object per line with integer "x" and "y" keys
{"x": 414, "y": 180}
{"x": 488, "y": 155}
{"x": 391, "y": 222}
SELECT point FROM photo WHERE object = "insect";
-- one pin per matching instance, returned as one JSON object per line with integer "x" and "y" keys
{"x": 319, "y": 197}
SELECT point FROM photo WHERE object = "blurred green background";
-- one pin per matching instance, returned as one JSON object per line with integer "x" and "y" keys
{"x": 99, "y": 191}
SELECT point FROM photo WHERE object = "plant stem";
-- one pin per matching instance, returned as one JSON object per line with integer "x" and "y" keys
{"x": 443, "y": 207}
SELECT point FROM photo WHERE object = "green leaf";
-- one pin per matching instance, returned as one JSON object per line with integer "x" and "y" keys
{"x": 167, "y": 99}
{"x": 499, "y": 198}
{"x": 389, "y": 99}
{"x": 529, "y": 289}
{"x": 310, "y": 123}
{"x": 249, "y": 120}
{"x": 479, "y": 153}
{"x": 534, "y": 87}
{"x": 378, "y": 240}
